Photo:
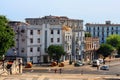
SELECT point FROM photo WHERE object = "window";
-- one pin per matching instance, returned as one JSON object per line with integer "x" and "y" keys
{"x": 51, "y": 39}
{"x": 22, "y": 30}
{"x": 38, "y": 49}
{"x": 107, "y": 28}
{"x": 31, "y": 32}
{"x": 66, "y": 37}
{"x": 103, "y": 29}
{"x": 98, "y": 28}
{"x": 58, "y": 39}
{"x": 70, "y": 37}
{"x": 112, "y": 32}
{"x": 98, "y": 34}
{"x": 31, "y": 59}
{"x": 23, "y": 40}
{"x": 112, "y": 28}
{"x": 94, "y": 28}
{"x": 117, "y": 32}
{"x": 31, "y": 49}
{"x": 38, "y": 31}
{"x": 22, "y": 50}
{"x": 68, "y": 48}
{"x": 107, "y": 33}
{"x": 31, "y": 40}
{"x": 51, "y": 31}
{"x": 58, "y": 32}
{"x": 38, "y": 40}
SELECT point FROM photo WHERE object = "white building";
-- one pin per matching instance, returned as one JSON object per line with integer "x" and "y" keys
{"x": 103, "y": 30}
{"x": 35, "y": 38}
{"x": 67, "y": 41}
{"x": 39, "y": 38}
{"x": 76, "y": 26}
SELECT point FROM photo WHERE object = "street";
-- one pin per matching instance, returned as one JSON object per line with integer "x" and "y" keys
{"x": 69, "y": 72}
{"x": 86, "y": 69}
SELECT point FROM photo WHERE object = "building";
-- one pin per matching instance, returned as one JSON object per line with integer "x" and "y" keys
{"x": 17, "y": 26}
{"x": 91, "y": 46}
{"x": 77, "y": 31}
{"x": 67, "y": 41}
{"x": 37, "y": 34}
{"x": 103, "y": 30}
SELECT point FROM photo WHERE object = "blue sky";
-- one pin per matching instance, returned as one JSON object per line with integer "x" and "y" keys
{"x": 93, "y": 11}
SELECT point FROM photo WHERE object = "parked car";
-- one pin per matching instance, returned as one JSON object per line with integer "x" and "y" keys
{"x": 101, "y": 61}
{"x": 95, "y": 63}
{"x": 104, "y": 67}
{"x": 78, "y": 63}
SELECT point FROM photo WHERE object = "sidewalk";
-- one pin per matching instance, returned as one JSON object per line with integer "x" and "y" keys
{"x": 59, "y": 77}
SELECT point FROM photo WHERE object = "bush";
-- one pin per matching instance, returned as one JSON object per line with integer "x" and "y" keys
{"x": 54, "y": 64}
{"x": 61, "y": 64}
{"x": 29, "y": 65}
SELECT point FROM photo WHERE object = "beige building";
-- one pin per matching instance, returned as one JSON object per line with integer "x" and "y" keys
{"x": 91, "y": 46}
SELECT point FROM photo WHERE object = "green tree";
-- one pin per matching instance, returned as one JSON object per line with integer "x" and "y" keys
{"x": 55, "y": 52}
{"x": 105, "y": 50}
{"x": 6, "y": 36}
{"x": 87, "y": 34}
{"x": 114, "y": 40}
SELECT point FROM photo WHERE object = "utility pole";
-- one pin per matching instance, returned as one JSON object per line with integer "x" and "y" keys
{"x": 3, "y": 61}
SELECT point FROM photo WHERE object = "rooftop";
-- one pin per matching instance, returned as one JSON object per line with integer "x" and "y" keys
{"x": 107, "y": 23}
{"x": 54, "y": 17}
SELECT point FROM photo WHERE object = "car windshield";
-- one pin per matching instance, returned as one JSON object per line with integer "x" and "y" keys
{"x": 105, "y": 66}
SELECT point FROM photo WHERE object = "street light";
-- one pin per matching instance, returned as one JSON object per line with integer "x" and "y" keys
{"x": 3, "y": 61}
{"x": 15, "y": 52}
{"x": 94, "y": 54}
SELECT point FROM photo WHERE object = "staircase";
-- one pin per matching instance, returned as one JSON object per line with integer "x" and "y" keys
{"x": 3, "y": 72}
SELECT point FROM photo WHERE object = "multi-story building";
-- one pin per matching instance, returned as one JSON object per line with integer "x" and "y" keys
{"x": 91, "y": 46}
{"x": 17, "y": 26}
{"x": 103, "y": 30}
{"x": 67, "y": 41}
{"x": 74, "y": 24}
{"x": 37, "y": 34}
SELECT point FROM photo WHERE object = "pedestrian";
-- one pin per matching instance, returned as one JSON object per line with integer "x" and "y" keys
{"x": 97, "y": 67}
{"x": 60, "y": 70}
{"x": 55, "y": 70}
{"x": 82, "y": 72}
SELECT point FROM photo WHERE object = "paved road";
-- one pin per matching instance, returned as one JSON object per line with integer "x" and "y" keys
{"x": 87, "y": 69}
{"x": 72, "y": 73}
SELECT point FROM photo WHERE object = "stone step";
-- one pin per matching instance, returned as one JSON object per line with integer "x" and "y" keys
{"x": 5, "y": 72}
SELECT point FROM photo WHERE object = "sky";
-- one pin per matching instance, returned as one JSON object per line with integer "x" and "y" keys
{"x": 90, "y": 11}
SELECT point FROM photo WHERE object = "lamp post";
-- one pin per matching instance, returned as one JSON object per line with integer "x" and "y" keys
{"x": 15, "y": 52}
{"x": 3, "y": 61}
{"x": 94, "y": 54}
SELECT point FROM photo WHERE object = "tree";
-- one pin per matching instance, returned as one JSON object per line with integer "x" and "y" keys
{"x": 55, "y": 52}
{"x": 87, "y": 34}
{"x": 6, "y": 36}
{"x": 114, "y": 40}
{"x": 105, "y": 50}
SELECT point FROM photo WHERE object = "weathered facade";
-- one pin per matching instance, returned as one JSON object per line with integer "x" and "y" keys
{"x": 91, "y": 45}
